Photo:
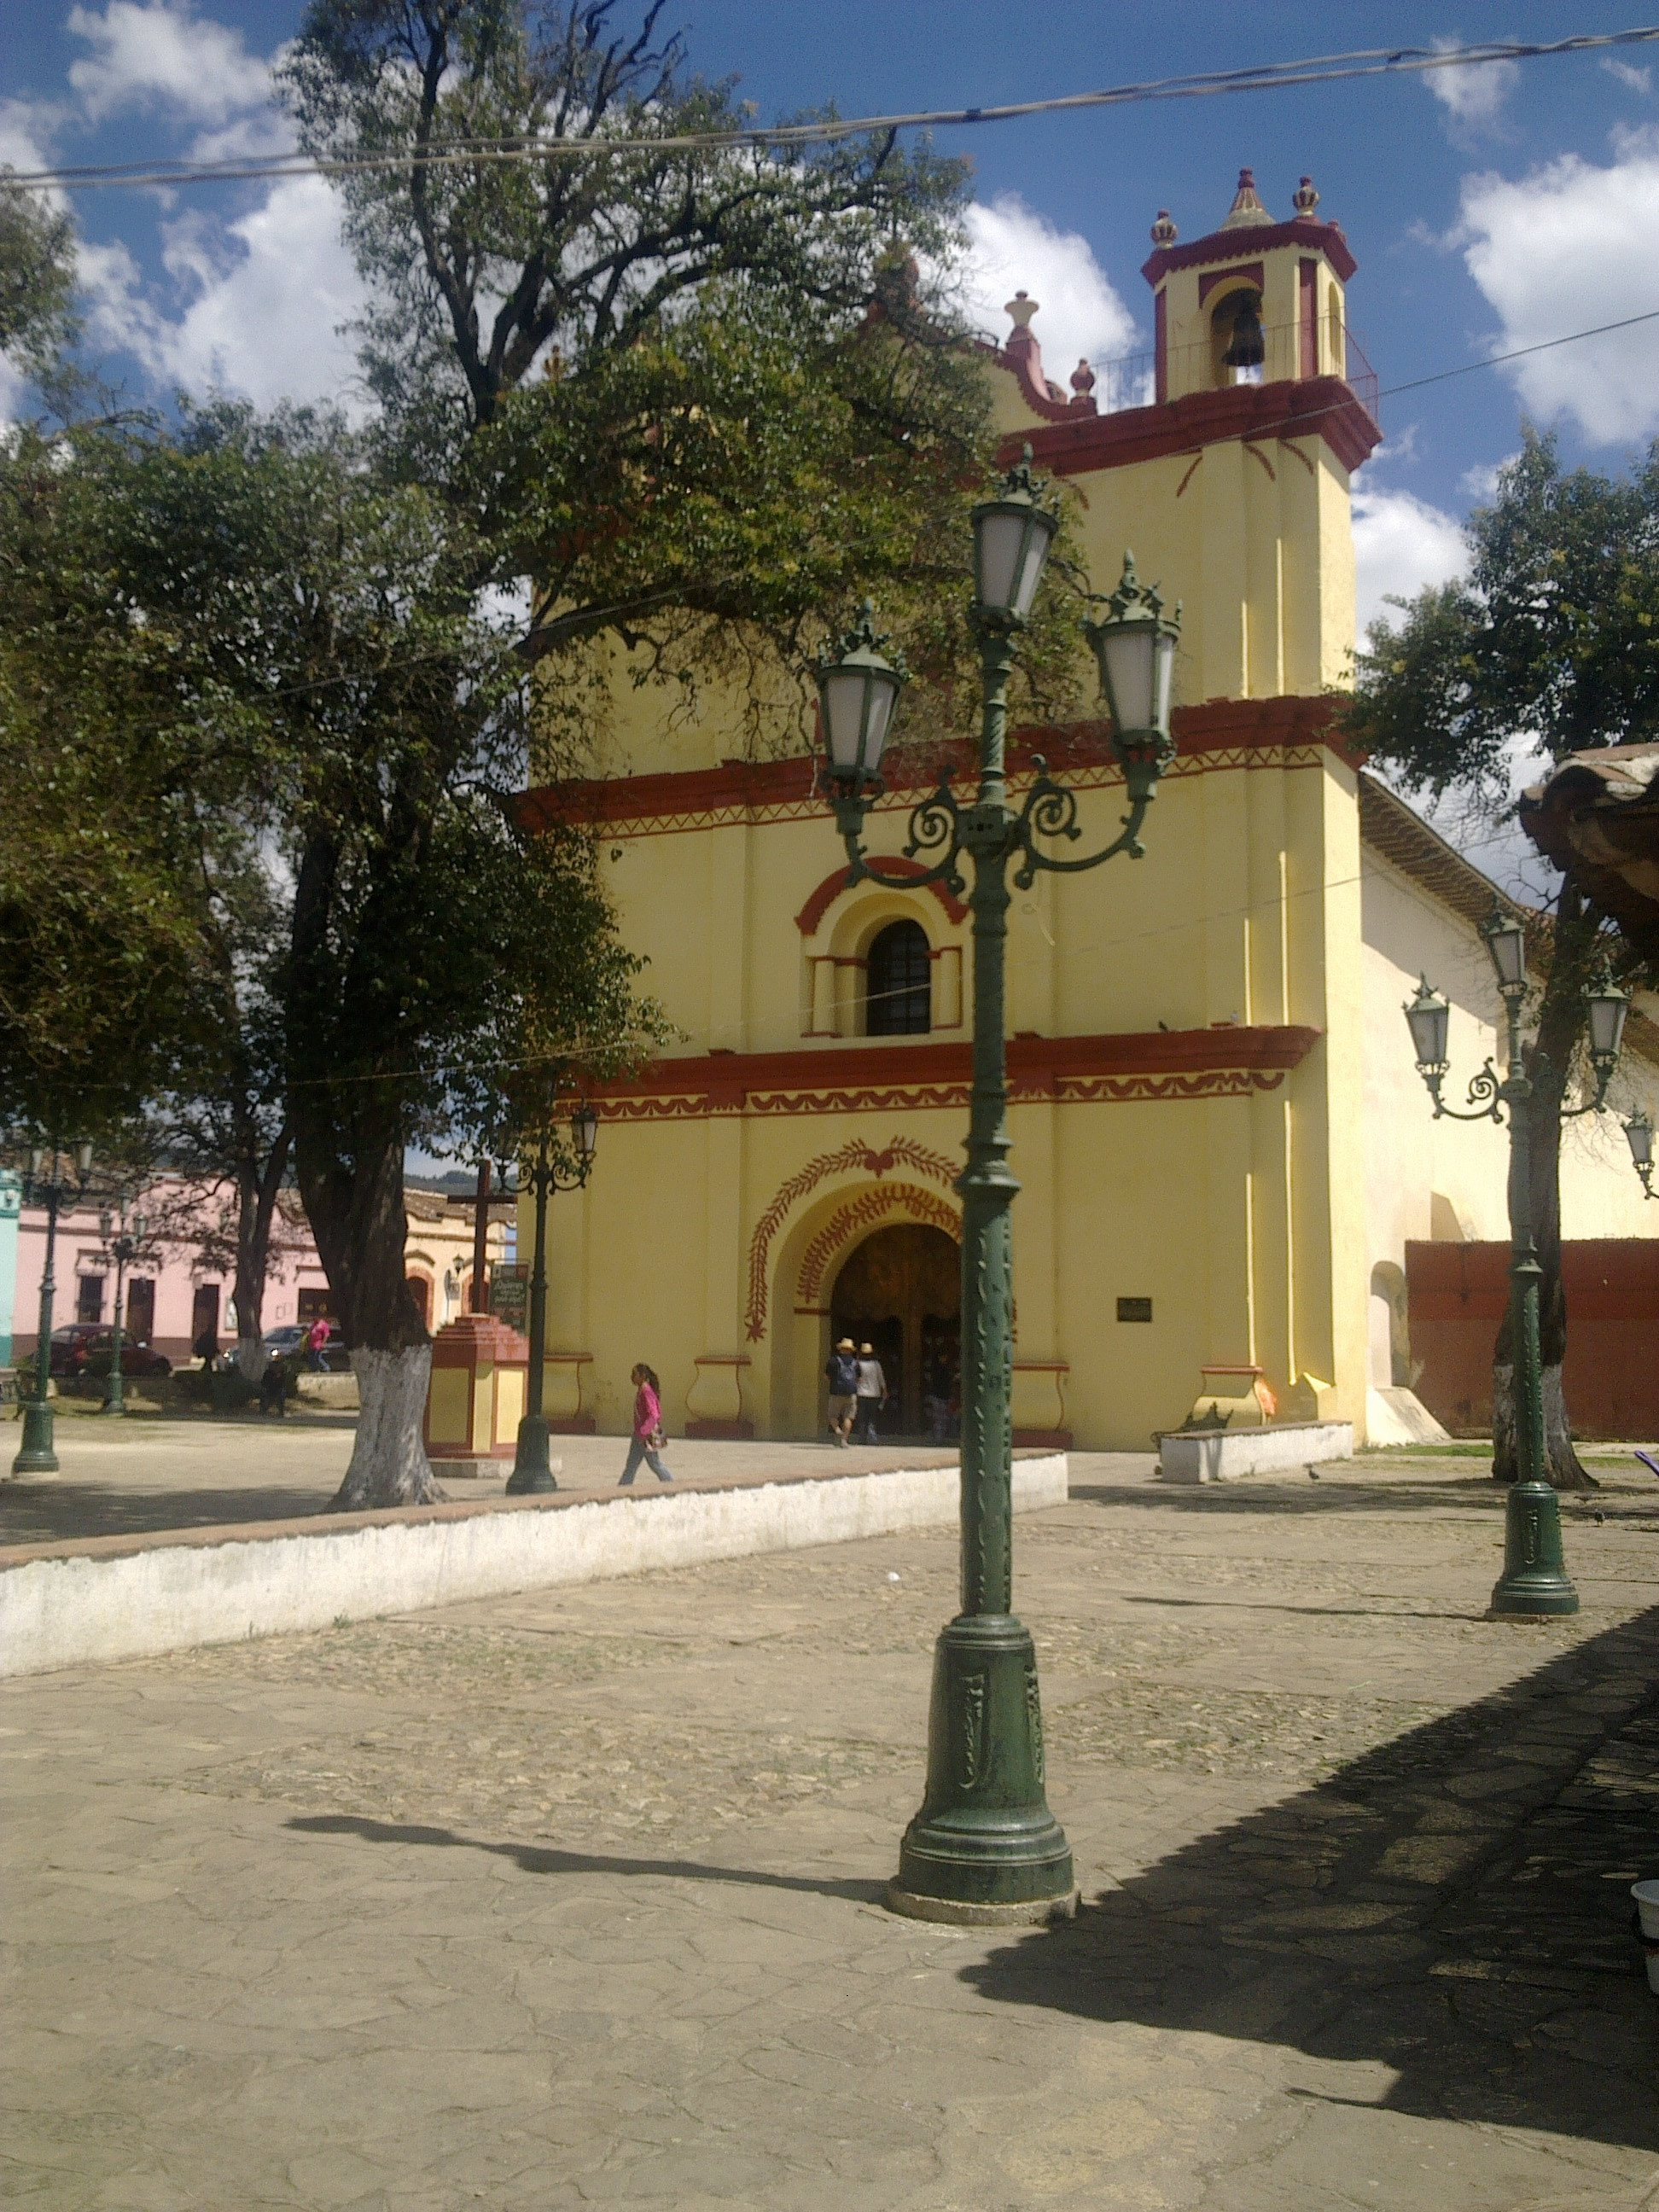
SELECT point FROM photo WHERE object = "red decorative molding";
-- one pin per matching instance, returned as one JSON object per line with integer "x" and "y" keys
{"x": 1221, "y": 734}
{"x": 1325, "y": 238}
{"x": 1246, "y": 272}
{"x": 850, "y": 1156}
{"x": 1222, "y": 1062}
{"x": 894, "y": 865}
{"x": 890, "y": 1198}
{"x": 1322, "y": 406}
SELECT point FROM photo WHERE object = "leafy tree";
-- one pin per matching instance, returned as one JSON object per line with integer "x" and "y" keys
{"x": 1551, "y": 641}
{"x": 38, "y": 322}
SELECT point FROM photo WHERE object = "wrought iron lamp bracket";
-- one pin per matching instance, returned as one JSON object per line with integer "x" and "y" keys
{"x": 1485, "y": 1086}
{"x": 936, "y": 826}
{"x": 1050, "y": 810}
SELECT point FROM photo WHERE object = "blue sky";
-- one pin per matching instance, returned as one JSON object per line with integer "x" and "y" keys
{"x": 1487, "y": 210}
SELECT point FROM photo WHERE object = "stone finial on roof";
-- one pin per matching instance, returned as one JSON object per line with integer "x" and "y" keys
{"x": 1083, "y": 378}
{"x": 1164, "y": 230}
{"x": 1246, "y": 210}
{"x": 1021, "y": 308}
{"x": 1304, "y": 199}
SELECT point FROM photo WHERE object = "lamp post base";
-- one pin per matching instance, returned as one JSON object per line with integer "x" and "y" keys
{"x": 984, "y": 1849}
{"x": 1534, "y": 1583}
{"x": 532, "y": 1474}
{"x": 35, "y": 1454}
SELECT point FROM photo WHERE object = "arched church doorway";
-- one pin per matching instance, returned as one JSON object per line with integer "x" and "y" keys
{"x": 901, "y": 1290}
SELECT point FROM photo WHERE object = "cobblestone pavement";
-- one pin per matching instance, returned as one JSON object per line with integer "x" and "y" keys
{"x": 571, "y": 1900}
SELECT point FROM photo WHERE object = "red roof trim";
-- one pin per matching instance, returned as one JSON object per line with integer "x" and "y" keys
{"x": 1219, "y": 726}
{"x": 1227, "y": 244}
{"x": 1296, "y": 408}
{"x": 1035, "y": 1063}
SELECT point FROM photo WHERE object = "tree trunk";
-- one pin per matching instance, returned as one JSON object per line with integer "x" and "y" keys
{"x": 1549, "y": 1062}
{"x": 257, "y": 1193}
{"x": 349, "y": 1160}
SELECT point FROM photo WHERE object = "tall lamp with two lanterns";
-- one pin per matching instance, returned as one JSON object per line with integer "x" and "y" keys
{"x": 984, "y": 1847}
{"x": 533, "y": 1466}
{"x": 1535, "y": 1580}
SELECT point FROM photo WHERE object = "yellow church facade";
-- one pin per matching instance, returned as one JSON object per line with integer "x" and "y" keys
{"x": 1188, "y": 1032}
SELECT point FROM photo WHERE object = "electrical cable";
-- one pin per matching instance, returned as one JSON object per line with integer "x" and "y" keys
{"x": 1267, "y": 76}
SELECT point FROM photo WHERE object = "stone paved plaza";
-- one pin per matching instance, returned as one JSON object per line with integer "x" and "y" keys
{"x": 571, "y": 1900}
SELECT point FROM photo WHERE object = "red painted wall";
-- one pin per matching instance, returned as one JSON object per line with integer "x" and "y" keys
{"x": 1456, "y": 1294}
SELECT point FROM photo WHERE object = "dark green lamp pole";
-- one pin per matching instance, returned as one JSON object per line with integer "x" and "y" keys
{"x": 1534, "y": 1580}
{"x": 984, "y": 1846}
{"x": 48, "y": 1179}
{"x": 125, "y": 1245}
{"x": 532, "y": 1471}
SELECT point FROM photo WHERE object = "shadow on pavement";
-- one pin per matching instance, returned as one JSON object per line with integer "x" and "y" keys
{"x": 63, "y": 1512}
{"x": 1454, "y": 1905}
{"x": 532, "y": 1859}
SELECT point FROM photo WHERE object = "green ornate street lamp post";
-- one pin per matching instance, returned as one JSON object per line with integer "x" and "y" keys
{"x": 48, "y": 1179}
{"x": 1534, "y": 1580}
{"x": 984, "y": 1847}
{"x": 125, "y": 1245}
{"x": 533, "y": 1470}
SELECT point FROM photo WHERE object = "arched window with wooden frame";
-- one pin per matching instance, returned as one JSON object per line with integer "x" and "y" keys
{"x": 898, "y": 981}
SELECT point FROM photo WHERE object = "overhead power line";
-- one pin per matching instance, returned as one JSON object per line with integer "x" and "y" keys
{"x": 1267, "y": 76}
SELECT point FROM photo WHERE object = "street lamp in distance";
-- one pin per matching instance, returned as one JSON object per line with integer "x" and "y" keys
{"x": 1534, "y": 1580}
{"x": 48, "y": 1176}
{"x": 533, "y": 1470}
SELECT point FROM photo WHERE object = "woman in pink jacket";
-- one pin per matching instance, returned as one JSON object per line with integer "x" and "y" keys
{"x": 647, "y": 1438}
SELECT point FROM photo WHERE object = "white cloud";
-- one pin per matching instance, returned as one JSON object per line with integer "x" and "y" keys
{"x": 163, "y": 54}
{"x": 1012, "y": 249}
{"x": 1480, "y": 484}
{"x": 1633, "y": 80}
{"x": 1567, "y": 248}
{"x": 1473, "y": 95}
{"x": 267, "y": 296}
{"x": 1400, "y": 544}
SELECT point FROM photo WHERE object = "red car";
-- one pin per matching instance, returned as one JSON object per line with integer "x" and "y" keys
{"x": 87, "y": 1347}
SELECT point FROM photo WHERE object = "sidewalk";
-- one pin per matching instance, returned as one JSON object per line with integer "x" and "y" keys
{"x": 123, "y": 1479}
{"x": 569, "y": 1900}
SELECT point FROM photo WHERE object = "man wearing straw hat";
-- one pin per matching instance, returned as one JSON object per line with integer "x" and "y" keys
{"x": 842, "y": 1372}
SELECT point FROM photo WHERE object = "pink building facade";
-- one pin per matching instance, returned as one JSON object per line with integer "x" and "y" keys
{"x": 181, "y": 1282}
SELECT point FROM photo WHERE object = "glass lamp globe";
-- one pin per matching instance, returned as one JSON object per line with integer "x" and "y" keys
{"x": 1428, "y": 1017}
{"x": 1013, "y": 534}
{"x": 858, "y": 690}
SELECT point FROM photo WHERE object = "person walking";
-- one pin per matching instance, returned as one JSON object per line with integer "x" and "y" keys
{"x": 841, "y": 1372}
{"x": 871, "y": 1393}
{"x": 646, "y": 1442}
{"x": 317, "y": 1338}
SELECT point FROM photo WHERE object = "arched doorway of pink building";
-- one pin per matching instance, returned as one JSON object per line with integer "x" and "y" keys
{"x": 900, "y": 1289}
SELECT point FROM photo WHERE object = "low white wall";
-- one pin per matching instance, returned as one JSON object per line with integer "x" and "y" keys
{"x": 79, "y": 1612}
{"x": 1220, "y": 1454}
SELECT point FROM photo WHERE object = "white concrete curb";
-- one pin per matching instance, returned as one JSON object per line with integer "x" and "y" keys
{"x": 1224, "y": 1454}
{"x": 80, "y": 1611}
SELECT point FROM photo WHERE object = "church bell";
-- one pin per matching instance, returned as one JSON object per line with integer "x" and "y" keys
{"x": 1246, "y": 349}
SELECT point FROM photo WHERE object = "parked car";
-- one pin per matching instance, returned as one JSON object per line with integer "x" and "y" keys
{"x": 289, "y": 1343}
{"x": 87, "y": 1347}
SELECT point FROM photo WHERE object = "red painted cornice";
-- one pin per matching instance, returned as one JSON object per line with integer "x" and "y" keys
{"x": 1247, "y": 240}
{"x": 1036, "y": 1065}
{"x": 1226, "y": 727}
{"x": 1295, "y": 408}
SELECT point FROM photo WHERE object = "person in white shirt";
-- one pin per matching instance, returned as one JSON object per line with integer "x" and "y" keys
{"x": 871, "y": 1393}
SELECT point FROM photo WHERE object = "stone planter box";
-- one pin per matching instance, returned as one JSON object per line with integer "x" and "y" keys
{"x": 1223, "y": 1455}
